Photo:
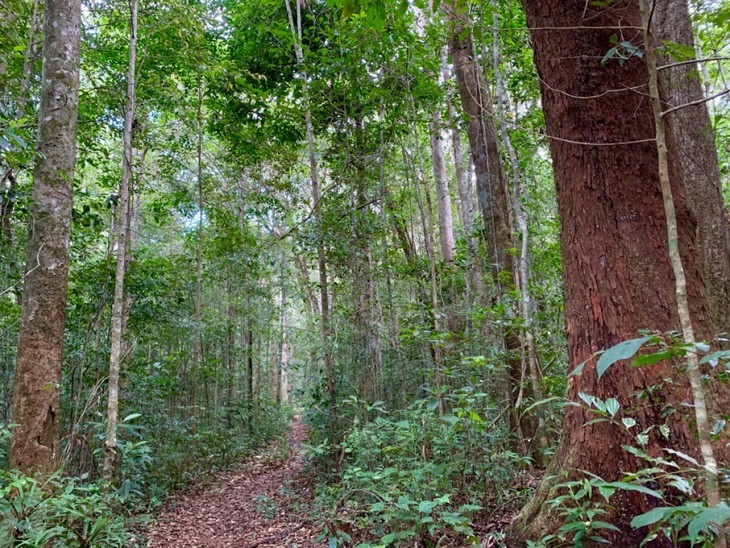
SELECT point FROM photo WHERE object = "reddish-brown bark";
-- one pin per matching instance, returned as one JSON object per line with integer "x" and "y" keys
{"x": 616, "y": 270}
{"x": 690, "y": 126}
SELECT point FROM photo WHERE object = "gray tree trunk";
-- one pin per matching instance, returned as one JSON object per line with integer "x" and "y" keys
{"x": 115, "y": 358}
{"x": 34, "y": 444}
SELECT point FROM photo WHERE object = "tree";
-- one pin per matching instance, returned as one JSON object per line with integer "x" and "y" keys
{"x": 689, "y": 126}
{"x": 35, "y": 443}
{"x": 492, "y": 194}
{"x": 117, "y": 334}
{"x": 617, "y": 274}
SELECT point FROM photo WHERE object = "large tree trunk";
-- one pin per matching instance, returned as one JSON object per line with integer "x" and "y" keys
{"x": 117, "y": 331}
{"x": 34, "y": 444}
{"x": 691, "y": 130}
{"x": 616, "y": 269}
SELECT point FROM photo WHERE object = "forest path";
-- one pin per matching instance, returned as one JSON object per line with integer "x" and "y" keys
{"x": 264, "y": 503}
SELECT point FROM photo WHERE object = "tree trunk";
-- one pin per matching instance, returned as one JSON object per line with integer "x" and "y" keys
{"x": 492, "y": 196}
{"x": 523, "y": 263}
{"x": 34, "y": 444}
{"x": 329, "y": 364}
{"x": 115, "y": 357}
{"x": 446, "y": 223}
{"x": 198, "y": 334}
{"x": 617, "y": 275}
{"x": 691, "y": 130}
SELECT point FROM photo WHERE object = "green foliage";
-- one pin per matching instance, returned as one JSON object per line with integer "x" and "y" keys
{"x": 668, "y": 478}
{"x": 58, "y": 511}
{"x": 412, "y": 475}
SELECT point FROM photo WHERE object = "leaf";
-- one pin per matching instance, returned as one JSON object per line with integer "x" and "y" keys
{"x": 131, "y": 417}
{"x": 652, "y": 516}
{"x": 628, "y": 422}
{"x": 425, "y": 506}
{"x": 622, "y": 351}
{"x": 451, "y": 419}
{"x": 717, "y": 515}
{"x": 586, "y": 398}
{"x": 682, "y": 455}
{"x": 655, "y": 357}
{"x": 604, "y": 525}
{"x": 717, "y": 427}
{"x": 715, "y": 357}
{"x": 612, "y": 406}
{"x": 634, "y": 487}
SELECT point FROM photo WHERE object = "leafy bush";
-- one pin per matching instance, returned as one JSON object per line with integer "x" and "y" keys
{"x": 58, "y": 511}
{"x": 412, "y": 475}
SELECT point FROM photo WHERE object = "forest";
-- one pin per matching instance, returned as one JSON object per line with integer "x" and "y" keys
{"x": 364, "y": 273}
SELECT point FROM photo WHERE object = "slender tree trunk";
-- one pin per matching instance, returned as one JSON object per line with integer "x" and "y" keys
{"x": 617, "y": 273}
{"x": 329, "y": 364}
{"x": 712, "y": 488}
{"x": 690, "y": 128}
{"x": 34, "y": 444}
{"x": 524, "y": 258}
{"x": 283, "y": 360}
{"x": 249, "y": 376}
{"x": 115, "y": 358}
{"x": 198, "y": 335}
{"x": 491, "y": 187}
{"x": 446, "y": 223}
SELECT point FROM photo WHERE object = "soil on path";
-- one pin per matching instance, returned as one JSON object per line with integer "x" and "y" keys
{"x": 263, "y": 504}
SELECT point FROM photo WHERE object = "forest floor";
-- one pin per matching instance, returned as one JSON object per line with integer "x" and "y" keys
{"x": 264, "y": 503}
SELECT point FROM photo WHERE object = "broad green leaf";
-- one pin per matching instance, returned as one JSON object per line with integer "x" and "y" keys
{"x": 652, "y": 516}
{"x": 717, "y": 515}
{"x": 425, "y": 506}
{"x": 622, "y": 351}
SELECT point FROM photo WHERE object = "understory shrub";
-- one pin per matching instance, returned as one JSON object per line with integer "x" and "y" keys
{"x": 414, "y": 475}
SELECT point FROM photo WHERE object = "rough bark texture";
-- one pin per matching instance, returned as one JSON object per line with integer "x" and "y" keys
{"x": 616, "y": 270}
{"x": 691, "y": 130}
{"x": 34, "y": 445}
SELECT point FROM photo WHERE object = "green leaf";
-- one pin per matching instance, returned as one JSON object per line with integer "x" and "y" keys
{"x": 717, "y": 515}
{"x": 682, "y": 456}
{"x": 604, "y": 525}
{"x": 451, "y": 419}
{"x": 425, "y": 506}
{"x": 628, "y": 422}
{"x": 633, "y": 487}
{"x": 652, "y": 516}
{"x": 622, "y": 351}
{"x": 612, "y": 406}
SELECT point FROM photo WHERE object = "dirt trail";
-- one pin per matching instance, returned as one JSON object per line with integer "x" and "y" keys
{"x": 263, "y": 504}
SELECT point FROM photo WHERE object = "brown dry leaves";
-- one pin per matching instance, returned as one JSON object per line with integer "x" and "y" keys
{"x": 262, "y": 504}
